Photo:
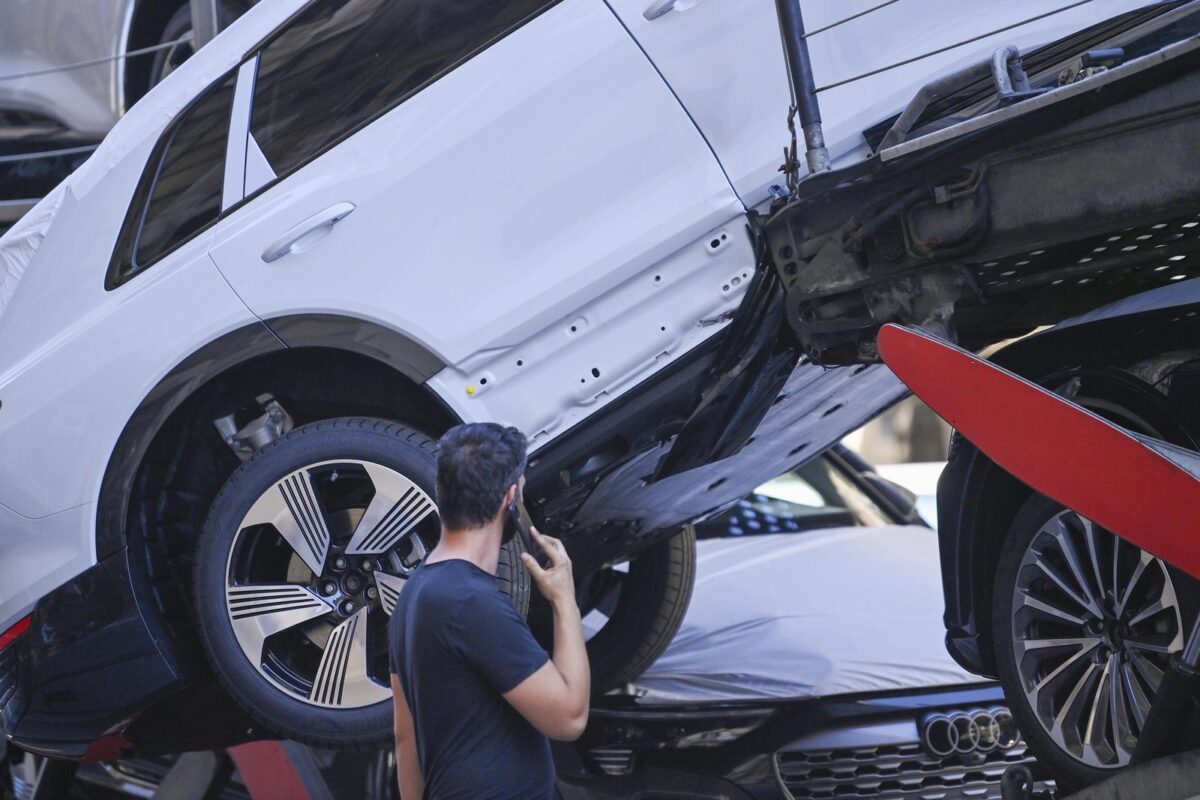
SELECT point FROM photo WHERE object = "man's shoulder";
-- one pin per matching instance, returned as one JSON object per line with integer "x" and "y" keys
{"x": 458, "y": 600}
{"x": 453, "y": 583}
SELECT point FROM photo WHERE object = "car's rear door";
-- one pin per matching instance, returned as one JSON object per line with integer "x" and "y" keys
{"x": 473, "y": 174}
{"x": 724, "y": 59}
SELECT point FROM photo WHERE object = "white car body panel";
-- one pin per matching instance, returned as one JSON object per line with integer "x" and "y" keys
{"x": 486, "y": 229}
{"x": 40, "y": 554}
{"x": 114, "y": 346}
{"x": 725, "y": 61}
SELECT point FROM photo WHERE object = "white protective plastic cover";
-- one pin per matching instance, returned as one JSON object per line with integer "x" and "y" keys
{"x": 22, "y": 240}
{"x": 816, "y": 614}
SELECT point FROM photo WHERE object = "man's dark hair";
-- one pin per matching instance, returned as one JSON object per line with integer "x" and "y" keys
{"x": 476, "y": 465}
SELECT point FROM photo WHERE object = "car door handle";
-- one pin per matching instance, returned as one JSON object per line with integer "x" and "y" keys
{"x": 660, "y": 7}
{"x": 321, "y": 222}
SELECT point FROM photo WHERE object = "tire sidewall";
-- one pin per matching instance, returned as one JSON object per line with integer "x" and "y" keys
{"x": 650, "y": 609}
{"x": 1070, "y": 773}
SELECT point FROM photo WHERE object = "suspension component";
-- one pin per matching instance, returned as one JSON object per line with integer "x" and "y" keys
{"x": 273, "y": 423}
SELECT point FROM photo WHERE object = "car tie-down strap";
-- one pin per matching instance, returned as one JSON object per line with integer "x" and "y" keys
{"x": 1146, "y": 491}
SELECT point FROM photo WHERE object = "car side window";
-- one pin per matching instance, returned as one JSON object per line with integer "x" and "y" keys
{"x": 338, "y": 64}
{"x": 180, "y": 191}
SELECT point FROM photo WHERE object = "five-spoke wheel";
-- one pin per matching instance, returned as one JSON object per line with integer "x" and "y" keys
{"x": 315, "y": 569}
{"x": 301, "y": 564}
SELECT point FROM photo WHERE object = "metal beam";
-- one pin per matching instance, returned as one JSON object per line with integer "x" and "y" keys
{"x": 804, "y": 93}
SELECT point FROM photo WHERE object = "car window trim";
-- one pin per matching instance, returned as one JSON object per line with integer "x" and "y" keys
{"x": 139, "y": 205}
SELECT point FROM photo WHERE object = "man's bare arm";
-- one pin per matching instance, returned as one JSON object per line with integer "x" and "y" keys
{"x": 555, "y": 698}
{"x": 408, "y": 768}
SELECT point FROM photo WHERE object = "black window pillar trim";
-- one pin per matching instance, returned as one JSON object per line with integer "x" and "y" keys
{"x": 126, "y": 245}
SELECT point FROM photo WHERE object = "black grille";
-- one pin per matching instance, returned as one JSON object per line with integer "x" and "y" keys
{"x": 893, "y": 772}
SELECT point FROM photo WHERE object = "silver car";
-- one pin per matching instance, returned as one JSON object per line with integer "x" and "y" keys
{"x": 70, "y": 68}
{"x": 39, "y": 37}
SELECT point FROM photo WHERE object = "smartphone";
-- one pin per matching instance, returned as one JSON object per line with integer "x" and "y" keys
{"x": 519, "y": 517}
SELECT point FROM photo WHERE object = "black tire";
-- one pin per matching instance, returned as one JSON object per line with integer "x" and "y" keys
{"x": 167, "y": 60}
{"x": 390, "y": 445}
{"x": 180, "y": 24}
{"x": 653, "y": 599}
{"x": 1171, "y": 778}
{"x": 1067, "y": 769}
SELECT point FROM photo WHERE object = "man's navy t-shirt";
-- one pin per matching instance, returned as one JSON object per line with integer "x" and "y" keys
{"x": 457, "y": 645}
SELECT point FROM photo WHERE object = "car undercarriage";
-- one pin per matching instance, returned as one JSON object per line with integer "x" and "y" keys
{"x": 987, "y": 211}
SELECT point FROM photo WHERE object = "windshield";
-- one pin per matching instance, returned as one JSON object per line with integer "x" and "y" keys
{"x": 818, "y": 495}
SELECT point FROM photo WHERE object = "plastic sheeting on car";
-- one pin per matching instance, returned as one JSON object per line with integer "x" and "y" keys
{"x": 802, "y": 615}
{"x": 22, "y": 240}
{"x": 143, "y": 124}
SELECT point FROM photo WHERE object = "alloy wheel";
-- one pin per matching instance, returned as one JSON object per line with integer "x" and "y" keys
{"x": 1095, "y": 621}
{"x": 314, "y": 572}
{"x": 172, "y": 57}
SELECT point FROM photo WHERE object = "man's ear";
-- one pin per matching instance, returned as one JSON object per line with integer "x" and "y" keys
{"x": 509, "y": 497}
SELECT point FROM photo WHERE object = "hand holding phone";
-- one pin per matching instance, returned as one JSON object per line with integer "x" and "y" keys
{"x": 521, "y": 520}
{"x": 554, "y": 579}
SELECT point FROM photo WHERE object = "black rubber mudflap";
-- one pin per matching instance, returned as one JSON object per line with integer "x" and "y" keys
{"x": 1174, "y": 721}
{"x": 1171, "y": 778}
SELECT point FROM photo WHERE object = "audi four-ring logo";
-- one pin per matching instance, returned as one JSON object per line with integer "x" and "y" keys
{"x": 969, "y": 732}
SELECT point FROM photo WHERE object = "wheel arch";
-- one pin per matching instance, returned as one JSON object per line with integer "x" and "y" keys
{"x": 310, "y": 342}
{"x": 1095, "y": 363}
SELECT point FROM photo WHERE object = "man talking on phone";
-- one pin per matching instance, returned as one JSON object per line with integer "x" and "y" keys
{"x": 475, "y": 695}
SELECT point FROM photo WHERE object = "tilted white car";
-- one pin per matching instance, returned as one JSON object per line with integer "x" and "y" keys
{"x": 229, "y": 340}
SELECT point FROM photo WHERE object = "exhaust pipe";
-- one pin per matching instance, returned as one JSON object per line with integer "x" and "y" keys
{"x": 804, "y": 93}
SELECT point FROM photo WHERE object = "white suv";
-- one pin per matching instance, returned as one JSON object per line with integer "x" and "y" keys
{"x": 229, "y": 341}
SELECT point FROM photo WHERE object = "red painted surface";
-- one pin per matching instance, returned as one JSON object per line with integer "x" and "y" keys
{"x": 14, "y": 633}
{"x": 1060, "y": 449}
{"x": 107, "y": 748}
{"x": 268, "y": 772}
